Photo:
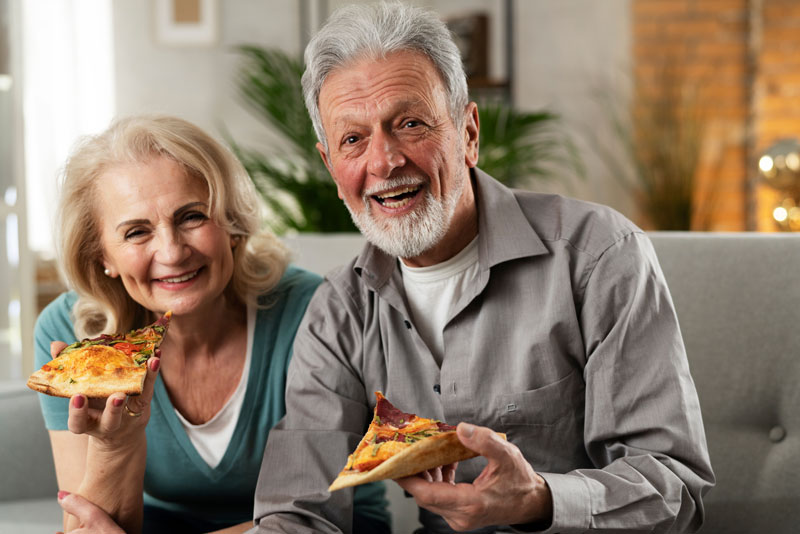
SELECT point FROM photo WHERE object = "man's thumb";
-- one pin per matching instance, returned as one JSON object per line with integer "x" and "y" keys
{"x": 479, "y": 439}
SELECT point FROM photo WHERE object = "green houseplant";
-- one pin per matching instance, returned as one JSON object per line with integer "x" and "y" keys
{"x": 515, "y": 147}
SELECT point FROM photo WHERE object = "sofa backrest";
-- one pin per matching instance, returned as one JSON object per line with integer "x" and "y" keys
{"x": 738, "y": 302}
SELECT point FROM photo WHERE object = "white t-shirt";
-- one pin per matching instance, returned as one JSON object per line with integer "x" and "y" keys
{"x": 432, "y": 291}
{"x": 211, "y": 438}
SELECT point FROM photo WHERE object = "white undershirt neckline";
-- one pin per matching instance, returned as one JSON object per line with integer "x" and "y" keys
{"x": 432, "y": 291}
{"x": 211, "y": 439}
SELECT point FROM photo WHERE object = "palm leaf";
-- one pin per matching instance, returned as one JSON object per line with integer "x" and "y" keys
{"x": 296, "y": 185}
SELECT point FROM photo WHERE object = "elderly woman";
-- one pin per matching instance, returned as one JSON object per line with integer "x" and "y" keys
{"x": 156, "y": 215}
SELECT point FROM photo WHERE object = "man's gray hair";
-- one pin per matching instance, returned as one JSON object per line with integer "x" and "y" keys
{"x": 376, "y": 30}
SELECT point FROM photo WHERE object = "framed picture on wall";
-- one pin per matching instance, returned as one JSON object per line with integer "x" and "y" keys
{"x": 186, "y": 22}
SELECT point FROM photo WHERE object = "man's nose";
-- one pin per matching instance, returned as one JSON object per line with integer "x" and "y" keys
{"x": 385, "y": 155}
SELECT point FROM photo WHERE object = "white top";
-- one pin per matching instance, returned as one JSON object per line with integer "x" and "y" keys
{"x": 432, "y": 291}
{"x": 211, "y": 438}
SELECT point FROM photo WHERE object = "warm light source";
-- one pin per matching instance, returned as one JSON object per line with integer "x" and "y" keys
{"x": 766, "y": 164}
{"x": 780, "y": 168}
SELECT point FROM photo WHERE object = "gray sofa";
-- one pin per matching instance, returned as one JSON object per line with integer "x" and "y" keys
{"x": 738, "y": 302}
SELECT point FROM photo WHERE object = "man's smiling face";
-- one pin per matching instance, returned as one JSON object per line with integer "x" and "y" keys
{"x": 400, "y": 163}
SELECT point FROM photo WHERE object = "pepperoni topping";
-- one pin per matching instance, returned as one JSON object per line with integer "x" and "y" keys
{"x": 444, "y": 427}
{"x": 127, "y": 348}
{"x": 388, "y": 414}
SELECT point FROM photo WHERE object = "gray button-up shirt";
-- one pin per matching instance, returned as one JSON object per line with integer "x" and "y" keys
{"x": 568, "y": 343}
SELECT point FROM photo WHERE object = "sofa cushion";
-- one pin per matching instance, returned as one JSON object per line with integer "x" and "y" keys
{"x": 738, "y": 302}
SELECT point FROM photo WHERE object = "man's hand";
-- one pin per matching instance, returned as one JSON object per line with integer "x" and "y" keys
{"x": 93, "y": 520}
{"x": 507, "y": 492}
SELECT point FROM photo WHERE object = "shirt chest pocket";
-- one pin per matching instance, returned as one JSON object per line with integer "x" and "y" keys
{"x": 544, "y": 406}
{"x": 547, "y": 423}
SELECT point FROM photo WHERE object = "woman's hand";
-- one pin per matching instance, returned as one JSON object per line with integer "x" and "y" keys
{"x": 92, "y": 519}
{"x": 118, "y": 420}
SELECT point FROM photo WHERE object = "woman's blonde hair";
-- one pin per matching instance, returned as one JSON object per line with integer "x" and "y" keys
{"x": 103, "y": 304}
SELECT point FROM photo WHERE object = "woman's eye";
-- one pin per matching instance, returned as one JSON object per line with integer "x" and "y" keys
{"x": 134, "y": 234}
{"x": 194, "y": 217}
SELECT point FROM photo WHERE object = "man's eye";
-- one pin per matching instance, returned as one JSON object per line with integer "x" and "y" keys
{"x": 350, "y": 139}
{"x": 412, "y": 124}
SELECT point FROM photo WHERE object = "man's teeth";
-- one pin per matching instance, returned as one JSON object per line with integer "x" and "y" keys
{"x": 393, "y": 199}
{"x": 396, "y": 203}
{"x": 398, "y": 192}
{"x": 183, "y": 278}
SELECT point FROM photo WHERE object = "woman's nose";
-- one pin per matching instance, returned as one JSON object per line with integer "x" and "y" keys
{"x": 171, "y": 248}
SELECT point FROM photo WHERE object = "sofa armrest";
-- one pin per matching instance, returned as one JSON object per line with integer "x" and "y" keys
{"x": 26, "y": 460}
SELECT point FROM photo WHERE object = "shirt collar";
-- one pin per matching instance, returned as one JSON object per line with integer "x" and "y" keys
{"x": 504, "y": 233}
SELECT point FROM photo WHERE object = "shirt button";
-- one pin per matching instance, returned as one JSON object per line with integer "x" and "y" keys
{"x": 777, "y": 434}
{"x": 437, "y": 388}
{"x": 408, "y": 324}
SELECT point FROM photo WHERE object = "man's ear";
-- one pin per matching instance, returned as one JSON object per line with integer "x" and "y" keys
{"x": 324, "y": 155}
{"x": 471, "y": 135}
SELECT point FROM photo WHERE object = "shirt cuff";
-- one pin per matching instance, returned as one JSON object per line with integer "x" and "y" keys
{"x": 572, "y": 504}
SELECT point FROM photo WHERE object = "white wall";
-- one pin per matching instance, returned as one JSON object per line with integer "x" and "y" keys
{"x": 570, "y": 55}
{"x": 197, "y": 83}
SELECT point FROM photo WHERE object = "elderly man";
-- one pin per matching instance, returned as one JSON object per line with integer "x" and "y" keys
{"x": 544, "y": 318}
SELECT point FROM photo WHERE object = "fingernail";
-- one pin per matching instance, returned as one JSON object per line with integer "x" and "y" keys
{"x": 467, "y": 429}
{"x": 155, "y": 364}
{"x": 118, "y": 402}
{"x": 62, "y": 494}
{"x": 78, "y": 401}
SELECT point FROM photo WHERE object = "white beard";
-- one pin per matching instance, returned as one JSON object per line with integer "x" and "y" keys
{"x": 412, "y": 234}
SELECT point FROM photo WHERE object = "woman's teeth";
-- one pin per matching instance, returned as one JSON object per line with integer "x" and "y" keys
{"x": 183, "y": 278}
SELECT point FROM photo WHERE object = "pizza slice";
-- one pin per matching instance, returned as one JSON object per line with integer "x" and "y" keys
{"x": 399, "y": 444}
{"x": 101, "y": 366}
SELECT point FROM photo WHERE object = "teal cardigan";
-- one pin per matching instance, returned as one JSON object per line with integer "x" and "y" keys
{"x": 177, "y": 479}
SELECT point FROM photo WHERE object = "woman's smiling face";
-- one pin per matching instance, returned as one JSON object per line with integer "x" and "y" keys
{"x": 157, "y": 236}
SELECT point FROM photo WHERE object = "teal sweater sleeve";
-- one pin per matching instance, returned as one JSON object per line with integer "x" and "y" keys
{"x": 54, "y": 324}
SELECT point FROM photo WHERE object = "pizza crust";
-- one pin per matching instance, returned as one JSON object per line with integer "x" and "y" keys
{"x": 131, "y": 385}
{"x": 435, "y": 451}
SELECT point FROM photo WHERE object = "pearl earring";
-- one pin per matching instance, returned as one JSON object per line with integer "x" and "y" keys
{"x": 106, "y": 272}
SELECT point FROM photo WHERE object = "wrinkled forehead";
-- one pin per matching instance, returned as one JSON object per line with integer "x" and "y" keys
{"x": 377, "y": 84}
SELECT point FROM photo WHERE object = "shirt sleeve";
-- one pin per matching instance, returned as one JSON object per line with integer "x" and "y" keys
{"x": 53, "y": 324}
{"x": 326, "y": 414}
{"x": 643, "y": 426}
